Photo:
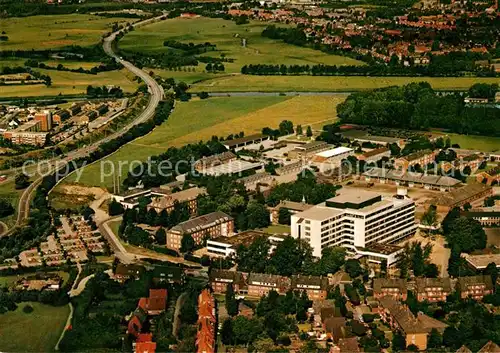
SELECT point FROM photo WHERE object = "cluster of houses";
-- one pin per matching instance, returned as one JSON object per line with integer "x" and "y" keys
{"x": 75, "y": 239}
{"x": 206, "y": 333}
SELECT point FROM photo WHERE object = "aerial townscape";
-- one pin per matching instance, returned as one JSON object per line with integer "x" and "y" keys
{"x": 212, "y": 176}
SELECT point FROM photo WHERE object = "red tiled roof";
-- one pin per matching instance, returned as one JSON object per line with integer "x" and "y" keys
{"x": 157, "y": 299}
{"x": 145, "y": 347}
{"x": 144, "y": 337}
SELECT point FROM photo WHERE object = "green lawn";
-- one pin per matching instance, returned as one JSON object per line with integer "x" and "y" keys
{"x": 9, "y": 280}
{"x": 483, "y": 143}
{"x": 239, "y": 83}
{"x": 34, "y": 332}
{"x": 227, "y": 36}
{"x": 277, "y": 228}
{"x": 55, "y": 31}
{"x": 188, "y": 117}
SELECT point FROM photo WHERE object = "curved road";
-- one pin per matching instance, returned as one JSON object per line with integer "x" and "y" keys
{"x": 156, "y": 95}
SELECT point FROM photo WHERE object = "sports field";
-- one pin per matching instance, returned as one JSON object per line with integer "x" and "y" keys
{"x": 483, "y": 143}
{"x": 201, "y": 119}
{"x": 239, "y": 83}
{"x": 227, "y": 36}
{"x": 34, "y": 332}
{"x": 55, "y": 31}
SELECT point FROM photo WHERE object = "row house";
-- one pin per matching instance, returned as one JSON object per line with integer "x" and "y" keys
{"x": 433, "y": 289}
{"x": 421, "y": 158}
{"x": 205, "y": 337}
{"x": 475, "y": 286}
{"x": 415, "y": 329}
{"x": 315, "y": 287}
{"x": 220, "y": 279}
{"x": 209, "y": 226}
{"x": 396, "y": 288}
{"x": 490, "y": 176}
{"x": 260, "y": 284}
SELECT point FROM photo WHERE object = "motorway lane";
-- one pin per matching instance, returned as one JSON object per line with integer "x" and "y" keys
{"x": 156, "y": 95}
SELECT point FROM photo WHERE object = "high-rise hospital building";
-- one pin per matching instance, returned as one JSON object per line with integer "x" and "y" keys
{"x": 363, "y": 222}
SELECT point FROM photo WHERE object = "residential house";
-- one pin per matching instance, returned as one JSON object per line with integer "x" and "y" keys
{"x": 393, "y": 287}
{"x": 205, "y": 337}
{"x": 315, "y": 287}
{"x": 433, "y": 289}
{"x": 475, "y": 286}
{"x": 335, "y": 327}
{"x": 414, "y": 328}
{"x": 346, "y": 345}
{"x": 208, "y": 226}
{"x": 137, "y": 321}
{"x": 144, "y": 343}
{"x": 421, "y": 158}
{"x": 220, "y": 279}
{"x": 260, "y": 284}
{"x": 124, "y": 272}
{"x": 156, "y": 303}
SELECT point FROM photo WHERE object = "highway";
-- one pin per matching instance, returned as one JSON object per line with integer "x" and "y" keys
{"x": 156, "y": 95}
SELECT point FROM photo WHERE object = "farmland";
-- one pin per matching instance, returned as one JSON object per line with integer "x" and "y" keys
{"x": 201, "y": 119}
{"x": 227, "y": 36}
{"x": 34, "y": 332}
{"x": 239, "y": 83}
{"x": 55, "y": 31}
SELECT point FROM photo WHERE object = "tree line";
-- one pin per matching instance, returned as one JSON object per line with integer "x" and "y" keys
{"x": 190, "y": 48}
{"x": 418, "y": 106}
{"x": 110, "y": 65}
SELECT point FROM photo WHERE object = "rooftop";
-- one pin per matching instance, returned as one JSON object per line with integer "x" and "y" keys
{"x": 480, "y": 262}
{"x": 411, "y": 177}
{"x": 465, "y": 282}
{"x": 244, "y": 238}
{"x": 311, "y": 146}
{"x": 231, "y": 167}
{"x": 459, "y": 195}
{"x": 245, "y": 139}
{"x": 375, "y": 151}
{"x": 416, "y": 155}
{"x": 384, "y": 249}
{"x": 202, "y": 222}
{"x": 423, "y": 283}
{"x": 334, "y": 152}
{"x": 381, "y": 283}
{"x": 353, "y": 198}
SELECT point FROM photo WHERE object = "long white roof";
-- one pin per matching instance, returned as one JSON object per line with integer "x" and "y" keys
{"x": 334, "y": 152}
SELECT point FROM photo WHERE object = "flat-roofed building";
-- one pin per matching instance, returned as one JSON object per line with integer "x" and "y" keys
{"x": 252, "y": 181}
{"x": 76, "y": 108}
{"x": 393, "y": 287}
{"x": 480, "y": 262}
{"x": 334, "y": 155}
{"x": 60, "y": 116}
{"x": 355, "y": 219}
{"x": 378, "y": 253}
{"x": 316, "y": 287}
{"x": 227, "y": 246}
{"x": 168, "y": 202}
{"x": 208, "y": 226}
{"x": 433, "y": 289}
{"x": 45, "y": 119}
{"x": 475, "y": 286}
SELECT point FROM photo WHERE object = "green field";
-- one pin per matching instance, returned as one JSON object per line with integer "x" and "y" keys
{"x": 55, "y": 31}
{"x": 226, "y": 35}
{"x": 483, "y": 143}
{"x": 241, "y": 83}
{"x": 34, "y": 332}
{"x": 201, "y": 119}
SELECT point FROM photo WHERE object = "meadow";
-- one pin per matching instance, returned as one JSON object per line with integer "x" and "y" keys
{"x": 483, "y": 143}
{"x": 34, "y": 332}
{"x": 55, "y": 31}
{"x": 240, "y": 83}
{"x": 67, "y": 83}
{"x": 199, "y": 120}
{"x": 227, "y": 36}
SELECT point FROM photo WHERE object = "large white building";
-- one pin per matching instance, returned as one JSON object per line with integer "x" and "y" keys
{"x": 361, "y": 221}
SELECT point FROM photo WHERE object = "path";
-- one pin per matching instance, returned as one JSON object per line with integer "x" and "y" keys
{"x": 178, "y": 305}
{"x": 68, "y": 323}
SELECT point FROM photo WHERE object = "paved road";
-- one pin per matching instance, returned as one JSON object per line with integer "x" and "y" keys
{"x": 68, "y": 323}
{"x": 156, "y": 95}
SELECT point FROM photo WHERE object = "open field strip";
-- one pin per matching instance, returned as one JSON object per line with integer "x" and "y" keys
{"x": 65, "y": 83}
{"x": 246, "y": 83}
{"x": 34, "y": 332}
{"x": 474, "y": 142}
{"x": 55, "y": 31}
{"x": 199, "y": 120}
{"x": 227, "y": 36}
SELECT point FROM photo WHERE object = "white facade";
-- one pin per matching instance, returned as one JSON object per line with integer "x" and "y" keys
{"x": 355, "y": 219}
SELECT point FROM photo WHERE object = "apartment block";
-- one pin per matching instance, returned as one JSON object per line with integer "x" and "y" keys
{"x": 421, "y": 158}
{"x": 220, "y": 279}
{"x": 208, "y": 226}
{"x": 45, "y": 119}
{"x": 168, "y": 202}
{"x": 357, "y": 220}
{"x": 474, "y": 286}
{"x": 395, "y": 288}
{"x": 205, "y": 337}
{"x": 433, "y": 289}
{"x": 315, "y": 287}
{"x": 260, "y": 284}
